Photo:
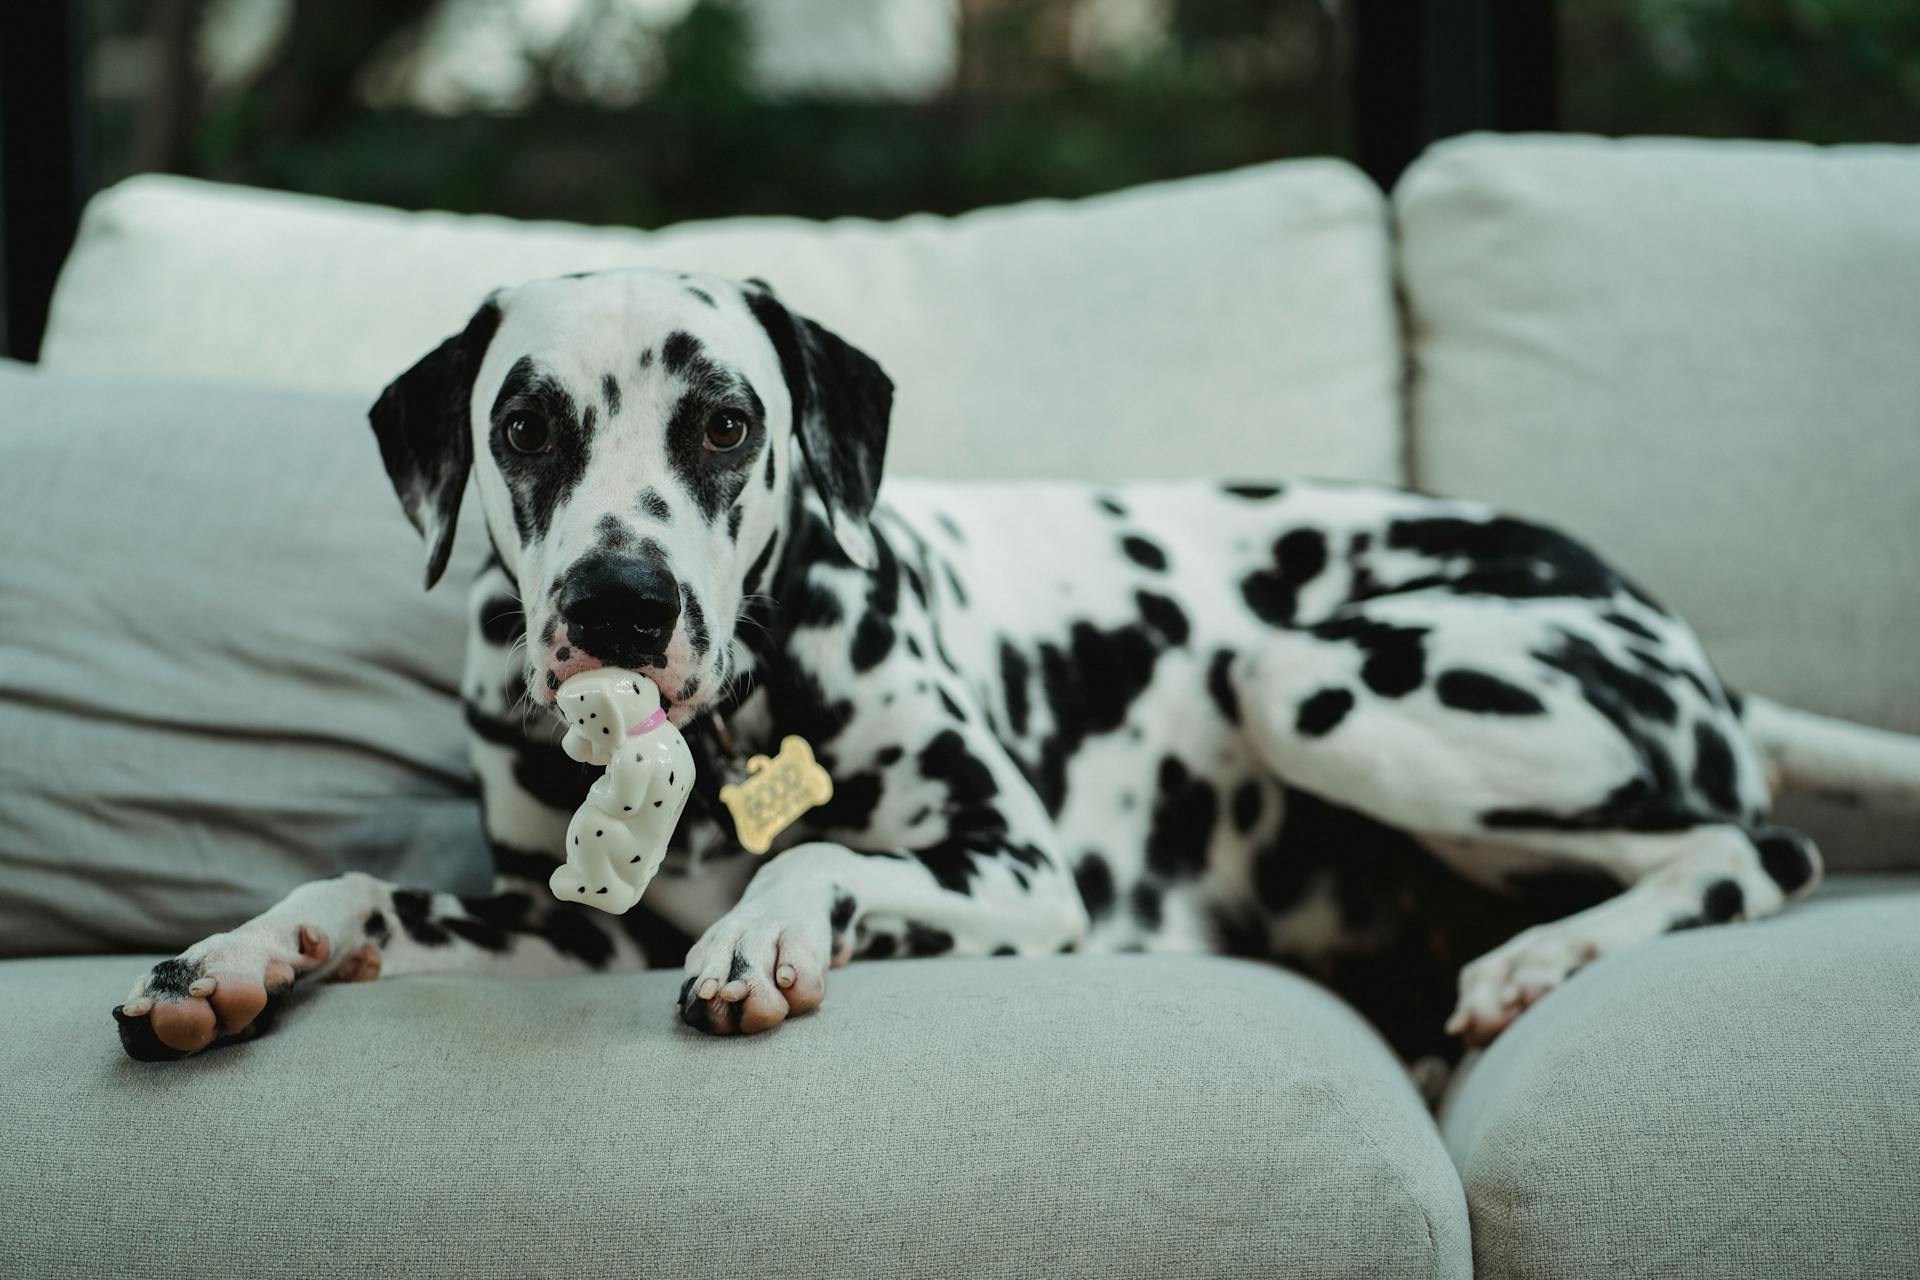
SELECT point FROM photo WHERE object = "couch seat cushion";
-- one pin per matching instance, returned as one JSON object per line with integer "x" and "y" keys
{"x": 1082, "y": 1116}
{"x": 1736, "y": 1102}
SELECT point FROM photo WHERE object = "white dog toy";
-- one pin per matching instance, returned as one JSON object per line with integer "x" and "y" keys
{"x": 618, "y": 838}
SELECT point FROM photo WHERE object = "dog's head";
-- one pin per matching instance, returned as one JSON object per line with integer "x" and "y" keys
{"x": 637, "y": 440}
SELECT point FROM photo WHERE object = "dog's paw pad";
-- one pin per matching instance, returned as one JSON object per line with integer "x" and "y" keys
{"x": 1506, "y": 982}
{"x": 751, "y": 974}
{"x": 224, "y": 990}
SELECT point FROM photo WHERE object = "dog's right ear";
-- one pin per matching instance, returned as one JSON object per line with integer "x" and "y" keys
{"x": 421, "y": 423}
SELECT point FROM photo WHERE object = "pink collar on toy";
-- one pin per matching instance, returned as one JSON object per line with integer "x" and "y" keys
{"x": 648, "y": 725}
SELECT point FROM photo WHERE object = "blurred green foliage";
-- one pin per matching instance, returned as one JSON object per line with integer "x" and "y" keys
{"x": 1816, "y": 70}
{"x": 1234, "y": 82}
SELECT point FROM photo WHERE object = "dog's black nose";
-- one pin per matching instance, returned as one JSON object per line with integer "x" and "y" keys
{"x": 621, "y": 611}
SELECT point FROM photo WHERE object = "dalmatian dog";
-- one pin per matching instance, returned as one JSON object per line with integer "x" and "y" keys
{"x": 1436, "y": 756}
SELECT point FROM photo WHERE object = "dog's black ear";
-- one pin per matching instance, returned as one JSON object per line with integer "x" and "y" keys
{"x": 421, "y": 423}
{"x": 841, "y": 403}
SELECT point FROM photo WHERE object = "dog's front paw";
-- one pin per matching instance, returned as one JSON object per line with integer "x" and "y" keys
{"x": 754, "y": 969}
{"x": 222, "y": 990}
{"x": 1510, "y": 979}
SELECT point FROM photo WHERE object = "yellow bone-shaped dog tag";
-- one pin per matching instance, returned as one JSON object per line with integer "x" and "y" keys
{"x": 775, "y": 792}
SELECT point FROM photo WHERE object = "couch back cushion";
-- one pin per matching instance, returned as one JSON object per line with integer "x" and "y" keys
{"x": 1240, "y": 324}
{"x": 1702, "y": 357}
{"x": 218, "y": 674}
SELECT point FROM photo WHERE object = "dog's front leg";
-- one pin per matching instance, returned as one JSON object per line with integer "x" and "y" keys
{"x": 818, "y": 905}
{"x": 349, "y": 928}
{"x": 990, "y": 882}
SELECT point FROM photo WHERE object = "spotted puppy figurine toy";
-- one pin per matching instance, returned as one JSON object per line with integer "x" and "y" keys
{"x": 618, "y": 837}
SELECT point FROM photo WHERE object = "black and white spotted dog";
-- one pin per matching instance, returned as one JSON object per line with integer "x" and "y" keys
{"x": 1366, "y": 733}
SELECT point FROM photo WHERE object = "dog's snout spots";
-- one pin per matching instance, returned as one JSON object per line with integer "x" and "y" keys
{"x": 653, "y": 505}
{"x": 612, "y": 534}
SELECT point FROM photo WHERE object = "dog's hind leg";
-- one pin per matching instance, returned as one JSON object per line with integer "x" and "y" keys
{"x": 1715, "y": 873}
{"x": 1503, "y": 732}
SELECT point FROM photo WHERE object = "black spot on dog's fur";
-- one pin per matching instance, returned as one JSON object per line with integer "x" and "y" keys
{"x": 488, "y": 937}
{"x": 1630, "y": 626}
{"x": 1013, "y": 681}
{"x": 1273, "y": 594}
{"x": 1395, "y": 657}
{"x": 1089, "y": 685}
{"x": 414, "y": 910}
{"x": 948, "y": 760}
{"x": 1501, "y": 556}
{"x": 1615, "y": 691}
{"x": 570, "y": 932}
{"x": 679, "y": 351}
{"x": 1713, "y": 769}
{"x": 842, "y": 913}
{"x": 703, "y": 296}
{"x": 872, "y": 641}
{"x": 953, "y": 708}
{"x": 650, "y": 502}
{"x": 1146, "y": 902}
{"x": 611, "y": 535}
{"x": 1322, "y": 712}
{"x": 1634, "y": 805}
{"x": 1111, "y": 505}
{"x": 1785, "y": 857}
{"x": 171, "y": 977}
{"x": 1483, "y": 694}
{"x": 1144, "y": 552}
{"x": 1220, "y": 686}
{"x": 610, "y": 392}
{"x": 1722, "y": 901}
{"x": 502, "y": 621}
{"x": 924, "y": 941}
{"x": 376, "y": 927}
{"x": 1184, "y": 812}
{"x": 1246, "y": 807}
{"x": 757, "y": 571}
{"x": 852, "y": 804}
{"x": 1164, "y": 616}
{"x": 1094, "y": 879}
{"x": 1251, "y": 492}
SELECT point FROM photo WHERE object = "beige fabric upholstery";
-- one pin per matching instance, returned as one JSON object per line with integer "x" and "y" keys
{"x": 1235, "y": 325}
{"x": 1103, "y": 1117}
{"x": 1731, "y": 1102}
{"x": 1699, "y": 356}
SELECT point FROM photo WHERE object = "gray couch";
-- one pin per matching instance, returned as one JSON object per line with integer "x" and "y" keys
{"x": 219, "y": 678}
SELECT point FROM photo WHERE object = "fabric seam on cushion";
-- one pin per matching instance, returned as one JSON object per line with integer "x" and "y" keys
{"x": 1321, "y": 1085}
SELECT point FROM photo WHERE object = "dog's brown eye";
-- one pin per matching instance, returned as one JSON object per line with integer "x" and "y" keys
{"x": 725, "y": 431}
{"x": 528, "y": 435}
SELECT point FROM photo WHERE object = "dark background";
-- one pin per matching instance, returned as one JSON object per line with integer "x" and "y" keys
{"x": 645, "y": 112}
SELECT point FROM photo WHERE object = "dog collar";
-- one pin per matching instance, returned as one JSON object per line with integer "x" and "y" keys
{"x": 652, "y": 722}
